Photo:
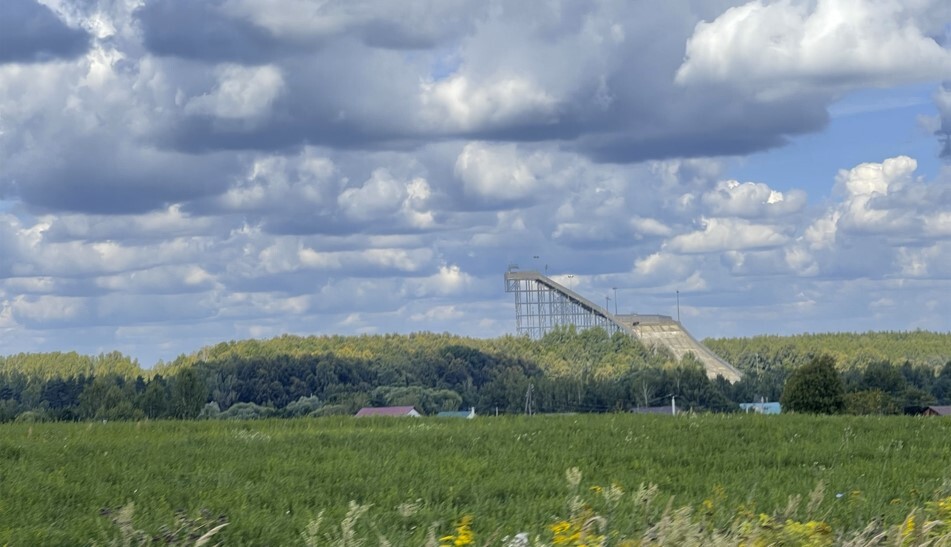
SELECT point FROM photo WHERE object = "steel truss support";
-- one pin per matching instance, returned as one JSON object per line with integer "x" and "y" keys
{"x": 541, "y": 305}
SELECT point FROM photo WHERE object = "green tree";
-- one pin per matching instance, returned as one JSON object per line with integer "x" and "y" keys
{"x": 154, "y": 401}
{"x": 870, "y": 401}
{"x": 815, "y": 388}
{"x": 188, "y": 394}
{"x": 104, "y": 399}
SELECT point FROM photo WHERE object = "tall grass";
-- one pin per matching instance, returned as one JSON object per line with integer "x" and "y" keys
{"x": 272, "y": 478}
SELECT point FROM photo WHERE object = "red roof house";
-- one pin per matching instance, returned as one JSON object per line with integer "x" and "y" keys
{"x": 395, "y": 411}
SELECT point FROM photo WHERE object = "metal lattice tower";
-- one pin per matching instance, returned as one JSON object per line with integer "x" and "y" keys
{"x": 541, "y": 305}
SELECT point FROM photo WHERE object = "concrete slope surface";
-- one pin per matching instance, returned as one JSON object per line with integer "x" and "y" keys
{"x": 664, "y": 331}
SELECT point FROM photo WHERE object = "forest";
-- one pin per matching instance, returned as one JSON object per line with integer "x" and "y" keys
{"x": 567, "y": 371}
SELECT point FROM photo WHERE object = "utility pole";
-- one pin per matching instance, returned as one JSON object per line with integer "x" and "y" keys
{"x": 607, "y": 303}
{"x": 615, "y": 299}
{"x": 678, "y": 306}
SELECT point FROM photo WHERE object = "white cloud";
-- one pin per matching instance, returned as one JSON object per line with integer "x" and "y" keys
{"x": 381, "y": 194}
{"x": 159, "y": 280}
{"x": 864, "y": 208}
{"x": 751, "y": 200}
{"x": 876, "y": 178}
{"x": 649, "y": 227}
{"x": 937, "y": 225}
{"x": 48, "y": 309}
{"x": 240, "y": 93}
{"x": 457, "y": 104}
{"x": 801, "y": 261}
{"x": 297, "y": 18}
{"x": 449, "y": 280}
{"x": 272, "y": 181}
{"x": 499, "y": 173}
{"x": 662, "y": 269}
{"x": 383, "y": 197}
{"x": 783, "y": 48}
{"x": 727, "y": 234}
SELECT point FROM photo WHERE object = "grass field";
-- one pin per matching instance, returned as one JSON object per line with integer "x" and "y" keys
{"x": 272, "y": 478}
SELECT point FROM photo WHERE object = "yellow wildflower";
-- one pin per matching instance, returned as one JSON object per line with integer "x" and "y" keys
{"x": 463, "y": 535}
{"x": 908, "y": 528}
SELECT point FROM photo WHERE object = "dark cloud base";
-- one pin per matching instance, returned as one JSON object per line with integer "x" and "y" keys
{"x": 31, "y": 33}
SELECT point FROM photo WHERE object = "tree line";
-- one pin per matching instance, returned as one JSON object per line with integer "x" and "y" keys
{"x": 567, "y": 371}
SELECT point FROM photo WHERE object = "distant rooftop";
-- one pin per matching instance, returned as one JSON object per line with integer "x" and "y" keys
{"x": 938, "y": 410}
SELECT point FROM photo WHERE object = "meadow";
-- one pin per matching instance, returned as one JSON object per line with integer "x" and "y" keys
{"x": 66, "y": 483}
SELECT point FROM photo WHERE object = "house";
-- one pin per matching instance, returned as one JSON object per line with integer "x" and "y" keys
{"x": 761, "y": 408}
{"x": 941, "y": 410}
{"x": 467, "y": 414}
{"x": 394, "y": 411}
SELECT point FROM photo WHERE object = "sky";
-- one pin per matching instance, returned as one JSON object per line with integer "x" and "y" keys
{"x": 178, "y": 173}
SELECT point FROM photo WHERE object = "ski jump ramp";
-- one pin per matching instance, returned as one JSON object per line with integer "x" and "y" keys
{"x": 541, "y": 304}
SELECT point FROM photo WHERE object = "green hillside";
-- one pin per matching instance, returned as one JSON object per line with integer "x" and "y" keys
{"x": 850, "y": 350}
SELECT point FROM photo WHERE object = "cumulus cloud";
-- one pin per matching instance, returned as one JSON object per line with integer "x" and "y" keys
{"x": 383, "y": 197}
{"x": 449, "y": 280}
{"x": 274, "y": 182}
{"x": 868, "y": 187}
{"x": 578, "y": 76}
{"x": 784, "y": 48}
{"x": 240, "y": 93}
{"x": 725, "y": 234}
{"x": 455, "y": 104}
{"x": 499, "y": 174}
{"x": 752, "y": 200}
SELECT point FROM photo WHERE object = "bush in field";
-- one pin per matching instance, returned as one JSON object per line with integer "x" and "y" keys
{"x": 246, "y": 411}
{"x": 301, "y": 407}
{"x": 815, "y": 388}
{"x": 870, "y": 401}
{"x": 210, "y": 411}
